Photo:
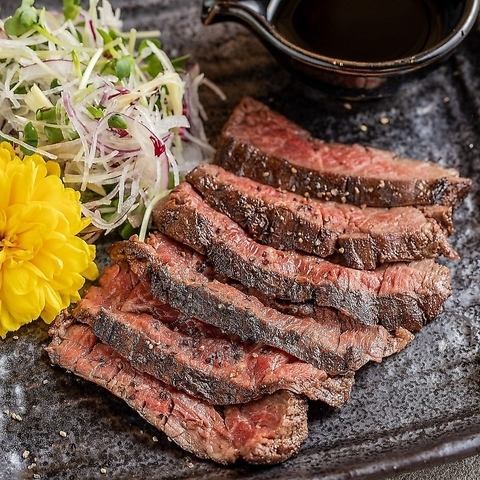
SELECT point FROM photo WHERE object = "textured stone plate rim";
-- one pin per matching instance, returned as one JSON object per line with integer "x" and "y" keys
{"x": 452, "y": 448}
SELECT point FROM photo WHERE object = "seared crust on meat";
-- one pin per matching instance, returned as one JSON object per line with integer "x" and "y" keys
{"x": 397, "y": 295}
{"x": 358, "y": 238}
{"x": 268, "y": 431}
{"x": 264, "y": 146}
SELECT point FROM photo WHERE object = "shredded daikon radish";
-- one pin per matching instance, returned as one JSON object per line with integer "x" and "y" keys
{"x": 122, "y": 119}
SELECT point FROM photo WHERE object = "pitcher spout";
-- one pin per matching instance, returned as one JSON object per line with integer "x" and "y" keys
{"x": 249, "y": 11}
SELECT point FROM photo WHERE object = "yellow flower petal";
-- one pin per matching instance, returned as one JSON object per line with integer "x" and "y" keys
{"x": 18, "y": 281}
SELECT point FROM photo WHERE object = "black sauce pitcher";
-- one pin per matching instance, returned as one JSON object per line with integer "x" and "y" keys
{"x": 349, "y": 79}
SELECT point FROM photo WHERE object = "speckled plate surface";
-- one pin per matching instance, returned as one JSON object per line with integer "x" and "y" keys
{"x": 418, "y": 408}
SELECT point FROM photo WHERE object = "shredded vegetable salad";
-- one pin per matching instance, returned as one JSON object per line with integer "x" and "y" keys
{"x": 122, "y": 119}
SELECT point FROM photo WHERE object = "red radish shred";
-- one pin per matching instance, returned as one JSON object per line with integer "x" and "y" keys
{"x": 158, "y": 146}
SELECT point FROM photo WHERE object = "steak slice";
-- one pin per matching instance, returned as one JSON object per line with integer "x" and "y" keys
{"x": 263, "y": 145}
{"x": 195, "y": 357}
{"x": 267, "y": 431}
{"x": 357, "y": 238}
{"x": 171, "y": 272}
{"x": 399, "y": 295}
{"x": 441, "y": 214}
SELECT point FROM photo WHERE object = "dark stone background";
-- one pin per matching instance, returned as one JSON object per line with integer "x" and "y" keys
{"x": 421, "y": 406}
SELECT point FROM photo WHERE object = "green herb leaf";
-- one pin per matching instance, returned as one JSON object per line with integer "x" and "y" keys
{"x": 76, "y": 63}
{"x": 21, "y": 90}
{"x": 47, "y": 115}
{"x": 96, "y": 112}
{"x": 25, "y": 17}
{"x": 144, "y": 44}
{"x": 171, "y": 181}
{"x": 72, "y": 135}
{"x": 154, "y": 65}
{"x": 127, "y": 230}
{"x": 71, "y": 9}
{"x": 116, "y": 121}
{"x": 109, "y": 68}
{"x": 55, "y": 83}
{"x": 180, "y": 63}
{"x": 30, "y": 136}
{"x": 54, "y": 135}
{"x": 123, "y": 67}
{"x": 113, "y": 34}
{"x": 105, "y": 35}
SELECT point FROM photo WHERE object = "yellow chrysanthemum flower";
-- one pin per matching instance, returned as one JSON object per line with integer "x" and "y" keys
{"x": 43, "y": 264}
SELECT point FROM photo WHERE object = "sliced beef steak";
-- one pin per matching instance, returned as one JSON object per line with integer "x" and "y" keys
{"x": 261, "y": 144}
{"x": 400, "y": 295}
{"x": 441, "y": 214}
{"x": 170, "y": 270}
{"x": 357, "y": 238}
{"x": 267, "y": 431}
{"x": 198, "y": 358}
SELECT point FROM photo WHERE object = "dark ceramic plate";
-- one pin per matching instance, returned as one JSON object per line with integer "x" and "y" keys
{"x": 418, "y": 408}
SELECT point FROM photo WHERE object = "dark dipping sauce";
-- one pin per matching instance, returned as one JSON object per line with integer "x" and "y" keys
{"x": 362, "y": 30}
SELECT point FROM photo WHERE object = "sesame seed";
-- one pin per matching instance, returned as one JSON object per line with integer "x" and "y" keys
{"x": 471, "y": 146}
{"x": 233, "y": 375}
{"x": 255, "y": 355}
{"x": 201, "y": 348}
{"x": 341, "y": 250}
{"x": 294, "y": 188}
{"x": 62, "y": 433}
{"x": 306, "y": 195}
{"x": 363, "y": 127}
{"x": 294, "y": 170}
{"x": 370, "y": 190}
{"x": 103, "y": 471}
{"x": 36, "y": 475}
{"x": 16, "y": 417}
{"x": 190, "y": 465}
{"x": 334, "y": 192}
{"x": 384, "y": 120}
{"x": 282, "y": 218}
{"x": 300, "y": 241}
{"x": 25, "y": 454}
{"x": 32, "y": 465}
{"x": 150, "y": 346}
{"x": 347, "y": 106}
{"x": 343, "y": 200}
{"x": 357, "y": 190}
{"x": 15, "y": 337}
{"x": 318, "y": 243}
{"x": 154, "y": 439}
{"x": 446, "y": 99}
{"x": 266, "y": 174}
{"x": 45, "y": 382}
